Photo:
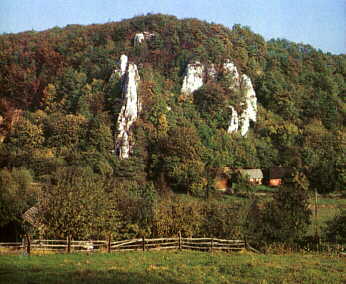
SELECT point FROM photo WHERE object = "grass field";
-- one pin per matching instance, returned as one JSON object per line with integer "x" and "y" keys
{"x": 172, "y": 267}
{"x": 328, "y": 207}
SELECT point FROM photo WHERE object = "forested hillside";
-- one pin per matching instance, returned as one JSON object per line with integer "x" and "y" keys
{"x": 59, "y": 108}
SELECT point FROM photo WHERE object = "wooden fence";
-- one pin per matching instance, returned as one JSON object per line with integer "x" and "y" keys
{"x": 141, "y": 244}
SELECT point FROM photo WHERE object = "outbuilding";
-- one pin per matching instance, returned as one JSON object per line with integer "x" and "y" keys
{"x": 275, "y": 175}
{"x": 254, "y": 176}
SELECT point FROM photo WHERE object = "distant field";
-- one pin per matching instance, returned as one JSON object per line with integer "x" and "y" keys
{"x": 328, "y": 207}
{"x": 172, "y": 267}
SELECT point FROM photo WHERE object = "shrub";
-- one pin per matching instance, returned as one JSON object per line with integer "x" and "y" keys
{"x": 76, "y": 203}
{"x": 175, "y": 214}
{"x": 336, "y": 228}
{"x": 285, "y": 219}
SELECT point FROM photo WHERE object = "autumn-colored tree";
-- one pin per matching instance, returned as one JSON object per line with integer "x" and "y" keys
{"x": 77, "y": 203}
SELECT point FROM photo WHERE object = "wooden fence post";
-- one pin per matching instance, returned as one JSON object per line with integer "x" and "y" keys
{"x": 143, "y": 240}
{"x": 109, "y": 244}
{"x": 179, "y": 240}
{"x": 211, "y": 245}
{"x": 23, "y": 243}
{"x": 68, "y": 244}
{"x": 28, "y": 250}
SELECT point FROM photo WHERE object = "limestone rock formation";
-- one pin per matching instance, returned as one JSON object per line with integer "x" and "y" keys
{"x": 250, "y": 111}
{"x": 234, "y": 122}
{"x": 241, "y": 122}
{"x": 122, "y": 65}
{"x": 128, "y": 113}
{"x": 193, "y": 78}
{"x": 231, "y": 70}
{"x": 141, "y": 37}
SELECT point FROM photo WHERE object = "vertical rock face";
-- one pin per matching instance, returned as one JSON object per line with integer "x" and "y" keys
{"x": 193, "y": 78}
{"x": 242, "y": 122}
{"x": 128, "y": 113}
{"x": 250, "y": 104}
{"x": 123, "y": 64}
{"x": 119, "y": 72}
{"x": 139, "y": 38}
{"x": 231, "y": 70}
{"x": 234, "y": 122}
{"x": 250, "y": 97}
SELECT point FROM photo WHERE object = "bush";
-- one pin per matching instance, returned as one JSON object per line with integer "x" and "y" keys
{"x": 285, "y": 219}
{"x": 76, "y": 203}
{"x": 336, "y": 228}
{"x": 174, "y": 215}
{"x": 223, "y": 220}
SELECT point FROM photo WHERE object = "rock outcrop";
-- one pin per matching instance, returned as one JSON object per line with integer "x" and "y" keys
{"x": 193, "y": 78}
{"x": 249, "y": 106}
{"x": 234, "y": 122}
{"x": 231, "y": 70}
{"x": 122, "y": 65}
{"x": 141, "y": 37}
{"x": 129, "y": 111}
{"x": 250, "y": 112}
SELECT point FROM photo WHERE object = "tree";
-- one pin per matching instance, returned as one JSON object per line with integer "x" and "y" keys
{"x": 65, "y": 130}
{"x": 284, "y": 219}
{"x": 16, "y": 194}
{"x": 179, "y": 157}
{"x": 76, "y": 203}
{"x": 336, "y": 228}
{"x": 26, "y": 136}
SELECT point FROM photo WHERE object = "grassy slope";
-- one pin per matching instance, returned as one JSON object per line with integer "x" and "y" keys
{"x": 172, "y": 267}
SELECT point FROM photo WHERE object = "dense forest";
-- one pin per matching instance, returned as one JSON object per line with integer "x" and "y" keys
{"x": 58, "y": 123}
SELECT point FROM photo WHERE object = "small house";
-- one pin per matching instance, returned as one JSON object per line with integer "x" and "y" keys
{"x": 275, "y": 175}
{"x": 222, "y": 179}
{"x": 254, "y": 176}
{"x": 221, "y": 182}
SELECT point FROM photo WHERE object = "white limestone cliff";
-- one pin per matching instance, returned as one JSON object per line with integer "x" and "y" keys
{"x": 123, "y": 64}
{"x": 250, "y": 97}
{"x": 231, "y": 70}
{"x": 128, "y": 113}
{"x": 234, "y": 122}
{"x": 193, "y": 78}
{"x": 241, "y": 122}
{"x": 141, "y": 37}
{"x": 250, "y": 111}
{"x": 119, "y": 72}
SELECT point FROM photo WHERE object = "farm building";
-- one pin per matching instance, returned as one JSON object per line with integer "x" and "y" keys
{"x": 254, "y": 176}
{"x": 275, "y": 175}
{"x": 222, "y": 182}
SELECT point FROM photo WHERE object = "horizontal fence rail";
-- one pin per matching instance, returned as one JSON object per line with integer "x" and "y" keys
{"x": 141, "y": 244}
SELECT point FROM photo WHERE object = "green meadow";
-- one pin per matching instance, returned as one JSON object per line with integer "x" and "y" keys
{"x": 172, "y": 267}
